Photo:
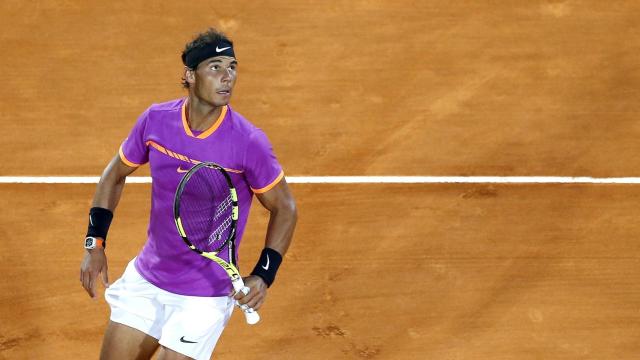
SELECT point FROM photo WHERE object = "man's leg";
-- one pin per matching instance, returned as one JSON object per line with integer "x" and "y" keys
{"x": 168, "y": 354}
{"x": 124, "y": 342}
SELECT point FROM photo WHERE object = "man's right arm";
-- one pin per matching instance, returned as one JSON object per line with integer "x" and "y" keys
{"x": 107, "y": 196}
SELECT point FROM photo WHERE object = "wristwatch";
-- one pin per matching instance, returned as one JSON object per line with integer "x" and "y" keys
{"x": 91, "y": 242}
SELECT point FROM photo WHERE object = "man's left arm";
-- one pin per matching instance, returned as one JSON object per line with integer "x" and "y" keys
{"x": 282, "y": 222}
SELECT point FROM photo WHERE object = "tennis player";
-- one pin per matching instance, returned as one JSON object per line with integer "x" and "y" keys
{"x": 169, "y": 297}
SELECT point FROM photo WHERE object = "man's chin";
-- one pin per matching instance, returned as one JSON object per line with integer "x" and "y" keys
{"x": 219, "y": 102}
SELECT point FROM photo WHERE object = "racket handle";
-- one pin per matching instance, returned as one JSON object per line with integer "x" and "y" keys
{"x": 250, "y": 315}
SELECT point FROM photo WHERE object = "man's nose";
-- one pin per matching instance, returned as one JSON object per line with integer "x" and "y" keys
{"x": 227, "y": 74}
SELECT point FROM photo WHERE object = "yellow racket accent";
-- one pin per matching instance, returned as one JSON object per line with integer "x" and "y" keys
{"x": 180, "y": 228}
{"x": 231, "y": 270}
{"x": 234, "y": 209}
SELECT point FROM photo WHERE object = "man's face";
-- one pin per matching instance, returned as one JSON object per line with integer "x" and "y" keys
{"x": 214, "y": 79}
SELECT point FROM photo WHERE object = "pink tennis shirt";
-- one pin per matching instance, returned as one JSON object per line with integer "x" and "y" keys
{"x": 162, "y": 137}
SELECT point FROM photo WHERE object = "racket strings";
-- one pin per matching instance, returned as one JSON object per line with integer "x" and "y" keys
{"x": 217, "y": 234}
{"x": 222, "y": 207}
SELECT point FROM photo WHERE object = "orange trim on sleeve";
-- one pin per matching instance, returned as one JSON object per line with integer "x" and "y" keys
{"x": 125, "y": 160}
{"x": 270, "y": 186}
{"x": 207, "y": 132}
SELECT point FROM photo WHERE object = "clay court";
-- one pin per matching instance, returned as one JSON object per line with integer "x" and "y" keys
{"x": 353, "y": 88}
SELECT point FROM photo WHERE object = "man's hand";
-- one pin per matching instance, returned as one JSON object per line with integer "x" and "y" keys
{"x": 257, "y": 293}
{"x": 93, "y": 264}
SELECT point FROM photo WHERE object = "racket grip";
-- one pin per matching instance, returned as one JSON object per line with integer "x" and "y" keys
{"x": 250, "y": 315}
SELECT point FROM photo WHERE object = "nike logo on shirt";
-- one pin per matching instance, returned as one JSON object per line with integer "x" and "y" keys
{"x": 181, "y": 170}
{"x": 266, "y": 267}
{"x": 187, "y": 341}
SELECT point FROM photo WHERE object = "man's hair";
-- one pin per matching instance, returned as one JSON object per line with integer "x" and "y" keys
{"x": 210, "y": 37}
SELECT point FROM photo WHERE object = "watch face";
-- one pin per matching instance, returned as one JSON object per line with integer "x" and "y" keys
{"x": 89, "y": 243}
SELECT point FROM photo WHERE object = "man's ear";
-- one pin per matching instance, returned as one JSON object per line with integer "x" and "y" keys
{"x": 189, "y": 75}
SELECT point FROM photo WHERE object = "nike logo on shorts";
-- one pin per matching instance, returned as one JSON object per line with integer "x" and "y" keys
{"x": 187, "y": 341}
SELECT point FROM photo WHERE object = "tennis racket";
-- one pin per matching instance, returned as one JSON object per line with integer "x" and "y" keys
{"x": 206, "y": 214}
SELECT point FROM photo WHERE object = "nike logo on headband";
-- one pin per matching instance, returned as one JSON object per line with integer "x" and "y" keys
{"x": 223, "y": 49}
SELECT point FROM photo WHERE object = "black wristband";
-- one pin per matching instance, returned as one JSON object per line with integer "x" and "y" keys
{"x": 268, "y": 265}
{"x": 99, "y": 222}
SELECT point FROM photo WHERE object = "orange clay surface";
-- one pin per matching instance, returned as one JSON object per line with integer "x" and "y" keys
{"x": 364, "y": 87}
{"x": 377, "y": 271}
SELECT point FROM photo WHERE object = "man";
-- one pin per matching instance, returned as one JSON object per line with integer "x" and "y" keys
{"x": 150, "y": 308}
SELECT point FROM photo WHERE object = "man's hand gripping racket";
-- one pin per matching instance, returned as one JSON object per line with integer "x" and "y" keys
{"x": 206, "y": 215}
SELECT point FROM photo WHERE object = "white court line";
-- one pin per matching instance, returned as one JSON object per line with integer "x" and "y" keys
{"x": 355, "y": 180}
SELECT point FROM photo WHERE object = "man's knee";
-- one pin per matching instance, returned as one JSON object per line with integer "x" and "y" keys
{"x": 124, "y": 342}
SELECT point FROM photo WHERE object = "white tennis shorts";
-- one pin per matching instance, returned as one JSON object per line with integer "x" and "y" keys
{"x": 189, "y": 325}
